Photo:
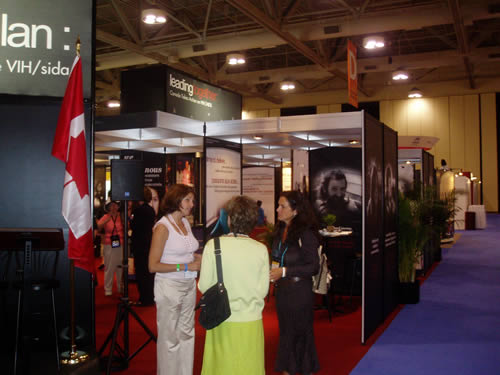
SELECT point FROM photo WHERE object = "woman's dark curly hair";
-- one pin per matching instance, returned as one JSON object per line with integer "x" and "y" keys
{"x": 305, "y": 218}
{"x": 243, "y": 212}
{"x": 172, "y": 199}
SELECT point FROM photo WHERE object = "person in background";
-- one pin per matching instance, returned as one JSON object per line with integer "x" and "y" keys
{"x": 261, "y": 218}
{"x": 142, "y": 222}
{"x": 294, "y": 261}
{"x": 237, "y": 345}
{"x": 172, "y": 257}
{"x": 155, "y": 200}
{"x": 111, "y": 224}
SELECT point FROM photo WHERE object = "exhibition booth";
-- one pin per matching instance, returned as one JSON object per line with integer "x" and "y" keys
{"x": 232, "y": 160}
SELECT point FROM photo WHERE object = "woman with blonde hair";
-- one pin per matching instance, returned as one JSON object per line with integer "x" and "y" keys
{"x": 237, "y": 345}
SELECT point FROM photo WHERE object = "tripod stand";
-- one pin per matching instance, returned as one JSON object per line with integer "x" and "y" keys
{"x": 123, "y": 310}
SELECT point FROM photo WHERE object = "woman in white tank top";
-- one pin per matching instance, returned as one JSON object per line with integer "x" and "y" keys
{"x": 173, "y": 260}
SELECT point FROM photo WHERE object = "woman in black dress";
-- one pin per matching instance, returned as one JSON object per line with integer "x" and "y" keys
{"x": 295, "y": 261}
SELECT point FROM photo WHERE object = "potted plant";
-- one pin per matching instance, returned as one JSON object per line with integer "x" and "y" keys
{"x": 329, "y": 220}
{"x": 413, "y": 234}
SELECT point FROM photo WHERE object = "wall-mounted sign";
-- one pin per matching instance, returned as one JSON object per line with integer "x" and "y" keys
{"x": 37, "y": 45}
{"x": 198, "y": 100}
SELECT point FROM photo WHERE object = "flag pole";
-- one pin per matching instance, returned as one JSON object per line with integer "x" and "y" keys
{"x": 73, "y": 356}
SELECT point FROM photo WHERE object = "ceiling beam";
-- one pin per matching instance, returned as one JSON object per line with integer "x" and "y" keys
{"x": 162, "y": 59}
{"x": 463, "y": 42}
{"x": 290, "y": 10}
{"x": 124, "y": 21}
{"x": 256, "y": 14}
{"x": 243, "y": 89}
{"x": 207, "y": 17}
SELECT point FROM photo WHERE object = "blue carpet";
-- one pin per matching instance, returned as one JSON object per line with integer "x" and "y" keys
{"x": 455, "y": 329}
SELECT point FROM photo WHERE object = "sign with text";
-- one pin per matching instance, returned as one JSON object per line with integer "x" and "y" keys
{"x": 258, "y": 183}
{"x": 223, "y": 176}
{"x": 198, "y": 100}
{"x": 352, "y": 74}
{"x": 37, "y": 45}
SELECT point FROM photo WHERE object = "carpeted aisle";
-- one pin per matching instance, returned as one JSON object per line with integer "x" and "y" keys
{"x": 338, "y": 342}
{"x": 455, "y": 329}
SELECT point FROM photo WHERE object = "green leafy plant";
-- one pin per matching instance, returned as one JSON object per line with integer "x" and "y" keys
{"x": 329, "y": 219}
{"x": 413, "y": 234}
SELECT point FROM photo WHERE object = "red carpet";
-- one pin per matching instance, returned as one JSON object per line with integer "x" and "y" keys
{"x": 338, "y": 342}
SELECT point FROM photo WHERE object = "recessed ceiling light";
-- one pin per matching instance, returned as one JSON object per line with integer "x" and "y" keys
{"x": 287, "y": 85}
{"x": 257, "y": 137}
{"x": 235, "y": 59}
{"x": 113, "y": 103}
{"x": 353, "y": 141}
{"x": 415, "y": 93}
{"x": 400, "y": 75}
{"x": 154, "y": 16}
{"x": 408, "y": 162}
{"x": 373, "y": 42}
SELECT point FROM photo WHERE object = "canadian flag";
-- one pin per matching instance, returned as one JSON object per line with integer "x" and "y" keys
{"x": 70, "y": 147}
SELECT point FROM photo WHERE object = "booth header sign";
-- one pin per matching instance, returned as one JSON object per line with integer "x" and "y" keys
{"x": 37, "y": 45}
{"x": 198, "y": 100}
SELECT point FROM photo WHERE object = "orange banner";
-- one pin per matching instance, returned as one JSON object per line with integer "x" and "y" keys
{"x": 352, "y": 74}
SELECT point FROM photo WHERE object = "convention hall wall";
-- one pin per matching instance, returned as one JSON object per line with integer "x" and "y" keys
{"x": 465, "y": 125}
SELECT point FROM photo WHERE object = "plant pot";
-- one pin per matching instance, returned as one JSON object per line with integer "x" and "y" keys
{"x": 409, "y": 293}
{"x": 438, "y": 257}
{"x": 330, "y": 228}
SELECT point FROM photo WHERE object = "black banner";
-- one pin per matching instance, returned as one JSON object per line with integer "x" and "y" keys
{"x": 37, "y": 45}
{"x": 335, "y": 188}
{"x": 374, "y": 211}
{"x": 390, "y": 220}
{"x": 198, "y": 100}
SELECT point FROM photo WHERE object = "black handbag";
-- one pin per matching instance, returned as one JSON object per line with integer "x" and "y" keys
{"x": 214, "y": 303}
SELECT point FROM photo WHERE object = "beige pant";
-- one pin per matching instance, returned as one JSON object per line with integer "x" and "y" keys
{"x": 112, "y": 263}
{"x": 175, "y": 300}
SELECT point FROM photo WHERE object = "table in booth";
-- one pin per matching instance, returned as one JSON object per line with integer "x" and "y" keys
{"x": 339, "y": 247}
{"x": 480, "y": 212}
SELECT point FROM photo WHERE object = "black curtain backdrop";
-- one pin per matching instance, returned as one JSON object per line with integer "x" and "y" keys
{"x": 374, "y": 226}
{"x": 31, "y": 196}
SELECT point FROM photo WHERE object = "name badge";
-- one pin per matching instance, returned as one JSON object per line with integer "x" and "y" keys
{"x": 275, "y": 264}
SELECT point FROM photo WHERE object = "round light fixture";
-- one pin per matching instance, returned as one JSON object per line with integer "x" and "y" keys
{"x": 113, "y": 103}
{"x": 373, "y": 42}
{"x": 353, "y": 141}
{"x": 287, "y": 85}
{"x": 235, "y": 59}
{"x": 415, "y": 93}
{"x": 400, "y": 75}
{"x": 257, "y": 137}
{"x": 154, "y": 16}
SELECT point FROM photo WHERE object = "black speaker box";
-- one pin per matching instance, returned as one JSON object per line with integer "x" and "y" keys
{"x": 127, "y": 180}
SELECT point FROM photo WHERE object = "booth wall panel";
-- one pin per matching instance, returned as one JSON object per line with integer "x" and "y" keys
{"x": 489, "y": 152}
{"x": 471, "y": 133}
{"x": 457, "y": 130}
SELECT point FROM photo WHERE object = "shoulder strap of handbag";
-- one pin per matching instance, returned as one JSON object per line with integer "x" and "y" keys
{"x": 218, "y": 260}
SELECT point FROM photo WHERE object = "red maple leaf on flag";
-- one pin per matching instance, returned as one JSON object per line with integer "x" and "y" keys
{"x": 70, "y": 147}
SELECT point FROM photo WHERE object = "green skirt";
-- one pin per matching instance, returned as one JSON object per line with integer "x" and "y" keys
{"x": 234, "y": 348}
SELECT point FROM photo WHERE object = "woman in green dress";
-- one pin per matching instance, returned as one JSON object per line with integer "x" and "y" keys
{"x": 237, "y": 345}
